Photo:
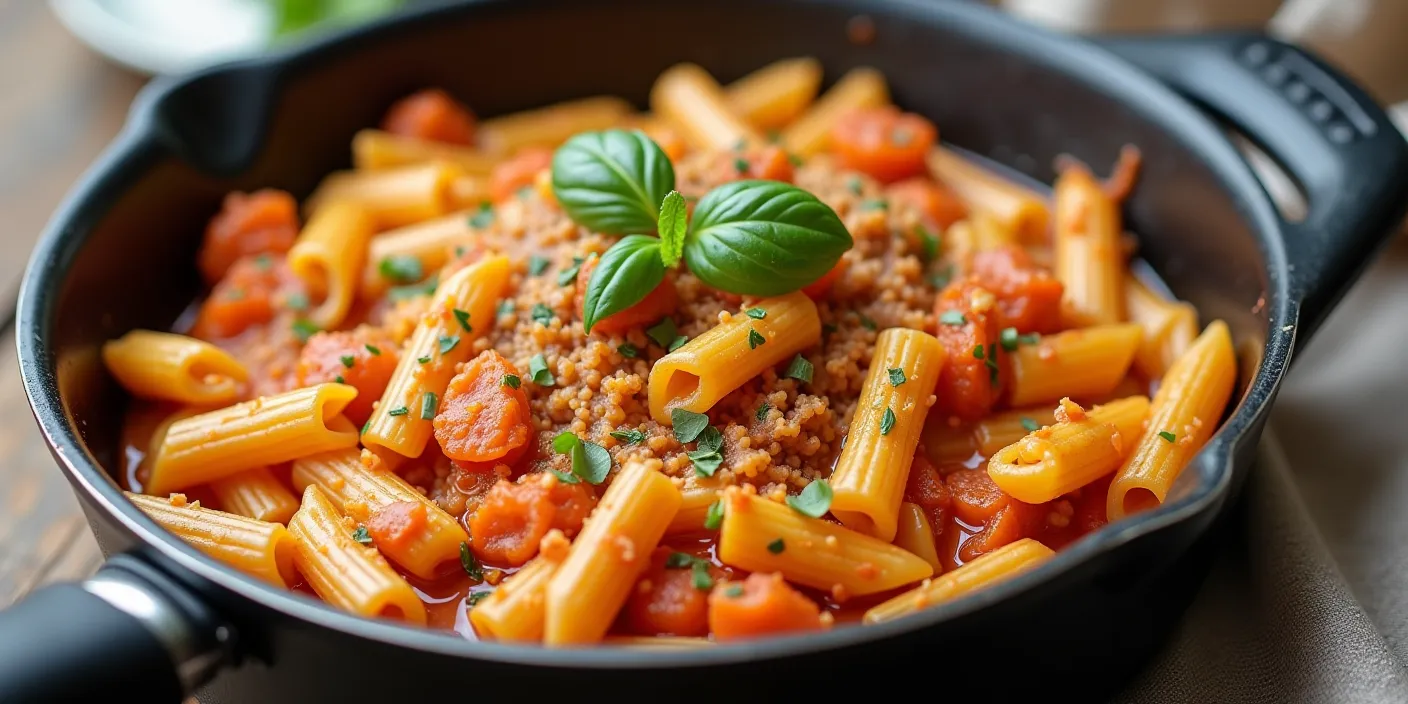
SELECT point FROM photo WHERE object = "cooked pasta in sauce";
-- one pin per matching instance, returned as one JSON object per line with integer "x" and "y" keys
{"x": 758, "y": 362}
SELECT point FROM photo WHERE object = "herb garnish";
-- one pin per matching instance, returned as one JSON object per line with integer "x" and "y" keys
{"x": 897, "y": 376}
{"x": 953, "y": 317}
{"x": 590, "y": 461}
{"x": 777, "y": 546}
{"x": 537, "y": 265}
{"x": 630, "y": 436}
{"x": 628, "y": 350}
{"x": 800, "y": 369}
{"x": 483, "y": 218}
{"x": 887, "y": 421}
{"x": 1029, "y": 425}
{"x": 462, "y": 317}
{"x": 688, "y": 424}
{"x": 401, "y": 268}
{"x": 1167, "y": 436}
{"x": 362, "y": 536}
{"x": 756, "y": 313}
{"x": 304, "y": 329}
{"x": 814, "y": 500}
{"x": 348, "y": 360}
{"x": 374, "y": 350}
{"x": 470, "y": 563}
{"x": 762, "y": 412}
{"x": 448, "y": 343}
{"x": 429, "y": 404}
{"x": 715, "y": 516}
{"x": 541, "y": 314}
{"x": 512, "y": 381}
{"x": 568, "y": 276}
{"x": 398, "y": 411}
{"x": 538, "y": 371}
{"x": 755, "y": 338}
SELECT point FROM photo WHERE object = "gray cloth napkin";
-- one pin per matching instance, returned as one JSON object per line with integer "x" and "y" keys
{"x": 1307, "y": 600}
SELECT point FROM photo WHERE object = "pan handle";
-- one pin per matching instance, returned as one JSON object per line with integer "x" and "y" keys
{"x": 1328, "y": 134}
{"x": 128, "y": 632}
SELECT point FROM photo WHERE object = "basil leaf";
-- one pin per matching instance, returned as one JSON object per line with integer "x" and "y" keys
{"x": 612, "y": 182}
{"x": 814, "y": 501}
{"x": 763, "y": 238}
{"x": 710, "y": 440}
{"x": 688, "y": 424}
{"x": 591, "y": 462}
{"x": 674, "y": 221}
{"x": 626, "y": 274}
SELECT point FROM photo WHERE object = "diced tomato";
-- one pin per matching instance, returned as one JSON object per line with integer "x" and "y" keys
{"x": 818, "y": 289}
{"x": 966, "y": 387}
{"x": 430, "y": 114}
{"x": 938, "y": 206}
{"x": 666, "y": 601}
{"x": 883, "y": 142}
{"x": 247, "y": 295}
{"x": 396, "y": 524}
{"x": 1013, "y": 522}
{"x": 482, "y": 418}
{"x": 761, "y": 605}
{"x": 656, "y": 304}
{"x": 326, "y": 359}
{"x": 1028, "y": 296}
{"x": 248, "y": 223}
{"x": 926, "y": 488}
{"x": 572, "y": 503}
{"x": 771, "y": 163}
{"x": 519, "y": 172}
{"x": 976, "y": 499}
{"x": 669, "y": 142}
{"x": 508, "y": 524}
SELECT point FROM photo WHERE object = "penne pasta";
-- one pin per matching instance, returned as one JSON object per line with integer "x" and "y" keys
{"x": 375, "y": 150}
{"x": 1002, "y": 429}
{"x": 773, "y": 96}
{"x": 692, "y": 102}
{"x": 696, "y": 498}
{"x": 255, "y": 493}
{"x": 1089, "y": 257}
{"x": 360, "y": 486}
{"x": 260, "y": 549}
{"x": 916, "y": 535}
{"x": 1066, "y": 456}
{"x": 595, "y": 579}
{"x": 268, "y": 430}
{"x": 552, "y": 125}
{"x": 344, "y": 573}
{"x": 468, "y": 191}
{"x": 1020, "y": 210}
{"x": 392, "y": 197}
{"x": 328, "y": 257}
{"x": 870, "y": 474}
{"x": 445, "y": 341}
{"x": 1184, "y": 414}
{"x": 709, "y": 367}
{"x": 999, "y": 565}
{"x": 760, "y": 535}
{"x": 517, "y": 610}
{"x": 166, "y": 367}
{"x": 429, "y": 243}
{"x": 860, "y": 88}
{"x": 1082, "y": 364}
{"x": 1169, "y": 327}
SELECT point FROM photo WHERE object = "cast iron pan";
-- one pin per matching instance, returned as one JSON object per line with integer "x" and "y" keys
{"x": 160, "y": 620}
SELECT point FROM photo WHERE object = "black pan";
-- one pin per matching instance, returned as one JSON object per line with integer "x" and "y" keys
{"x": 161, "y": 620}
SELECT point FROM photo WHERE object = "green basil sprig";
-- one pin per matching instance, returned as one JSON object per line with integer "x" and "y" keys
{"x": 626, "y": 274}
{"x": 612, "y": 182}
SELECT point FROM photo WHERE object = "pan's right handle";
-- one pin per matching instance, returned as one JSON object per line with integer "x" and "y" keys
{"x": 127, "y": 632}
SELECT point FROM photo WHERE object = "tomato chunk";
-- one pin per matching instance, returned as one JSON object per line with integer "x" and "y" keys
{"x": 510, "y": 521}
{"x": 938, "y": 206}
{"x": 666, "y": 601}
{"x": 572, "y": 503}
{"x": 818, "y": 289}
{"x": 430, "y": 114}
{"x": 1013, "y": 522}
{"x": 248, "y": 223}
{"x": 762, "y": 604}
{"x": 482, "y": 418}
{"x": 519, "y": 172}
{"x": 396, "y": 524}
{"x": 976, "y": 499}
{"x": 1028, "y": 296}
{"x": 967, "y": 385}
{"x": 249, "y": 294}
{"x": 657, "y": 304}
{"x": 365, "y": 358}
{"x": 883, "y": 142}
{"x": 926, "y": 488}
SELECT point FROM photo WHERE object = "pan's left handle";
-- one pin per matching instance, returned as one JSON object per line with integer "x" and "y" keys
{"x": 127, "y": 632}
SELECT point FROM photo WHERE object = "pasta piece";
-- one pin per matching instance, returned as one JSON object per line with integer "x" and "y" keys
{"x": 1184, "y": 414}
{"x": 268, "y": 430}
{"x": 517, "y": 610}
{"x": 429, "y": 243}
{"x": 399, "y": 422}
{"x": 1089, "y": 256}
{"x": 469, "y": 191}
{"x": 774, "y": 95}
{"x": 1082, "y": 364}
{"x": 1070, "y": 454}
{"x": 916, "y": 535}
{"x": 255, "y": 493}
{"x": 260, "y": 549}
{"x": 709, "y": 367}
{"x": 946, "y": 445}
{"x": 658, "y": 642}
{"x": 552, "y": 125}
{"x": 344, "y": 573}
{"x": 594, "y": 580}
{"x": 689, "y": 98}
{"x": 997, "y": 566}
{"x": 392, "y": 197}
{"x": 328, "y": 258}
{"x": 859, "y": 88}
{"x": 760, "y": 535}
{"x": 1169, "y": 327}
{"x": 374, "y": 150}
{"x": 868, "y": 482}
{"x": 1002, "y": 429}
{"x": 696, "y": 499}
{"x": 1020, "y": 209}
{"x": 166, "y": 367}
{"x": 359, "y": 485}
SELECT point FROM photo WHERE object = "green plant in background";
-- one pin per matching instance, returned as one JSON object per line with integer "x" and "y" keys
{"x": 295, "y": 16}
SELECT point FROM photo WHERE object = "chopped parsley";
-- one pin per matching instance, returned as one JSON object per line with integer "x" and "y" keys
{"x": 1167, "y": 436}
{"x": 688, "y": 424}
{"x": 678, "y": 561}
{"x": 429, "y": 404}
{"x": 897, "y": 376}
{"x": 590, "y": 461}
{"x": 777, "y": 546}
{"x": 734, "y": 591}
{"x": 297, "y": 300}
{"x": 537, "y": 265}
{"x": 1030, "y": 425}
{"x": 564, "y": 477}
{"x": 866, "y": 322}
{"x": 741, "y": 165}
{"x": 978, "y": 352}
{"x": 628, "y": 350}
{"x": 814, "y": 500}
{"x": 406, "y": 293}
{"x": 483, "y": 218}
{"x": 304, "y": 329}
{"x": 541, "y": 314}
{"x": 700, "y": 577}
{"x": 875, "y": 204}
{"x": 755, "y": 338}
{"x": 512, "y": 381}
{"x": 475, "y": 597}
{"x": 715, "y": 516}
{"x": 800, "y": 369}
{"x": 663, "y": 332}
{"x": 953, "y": 317}
{"x": 677, "y": 343}
{"x": 506, "y": 306}
{"x": 853, "y": 184}
{"x": 887, "y": 421}
{"x": 538, "y": 371}
{"x": 756, "y": 313}
{"x": 470, "y": 563}
{"x": 928, "y": 243}
{"x": 401, "y": 411}
{"x": 423, "y": 360}
{"x": 339, "y": 379}
{"x": 401, "y": 268}
{"x": 569, "y": 275}
{"x": 374, "y": 350}
{"x": 362, "y": 536}
{"x": 462, "y": 317}
{"x": 448, "y": 343}
{"x": 630, "y": 436}
{"x": 762, "y": 412}
{"x": 263, "y": 262}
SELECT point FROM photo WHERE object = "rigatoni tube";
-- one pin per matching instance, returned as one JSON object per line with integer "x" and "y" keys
{"x": 692, "y": 101}
{"x": 470, "y": 295}
{"x": 999, "y": 565}
{"x": 1184, "y": 414}
{"x": 1169, "y": 327}
{"x": 1021, "y": 210}
{"x": 1066, "y": 456}
{"x": 1089, "y": 259}
{"x": 916, "y": 535}
{"x": 697, "y": 497}
{"x": 255, "y": 493}
{"x": 268, "y": 430}
{"x": 595, "y": 579}
{"x": 774, "y": 95}
{"x": 344, "y": 573}
{"x": 393, "y": 197}
{"x": 1082, "y": 364}
{"x": 167, "y": 367}
{"x": 517, "y": 610}
{"x": 760, "y": 535}
{"x": 429, "y": 243}
{"x": 328, "y": 258}
{"x": 260, "y": 549}
{"x": 551, "y": 125}
{"x": 709, "y": 367}
{"x": 374, "y": 150}
{"x": 868, "y": 482}
{"x": 861, "y": 87}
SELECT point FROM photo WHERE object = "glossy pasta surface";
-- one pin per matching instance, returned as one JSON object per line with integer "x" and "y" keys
{"x": 401, "y": 411}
